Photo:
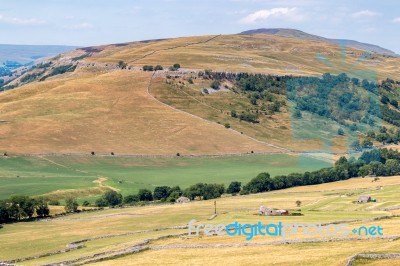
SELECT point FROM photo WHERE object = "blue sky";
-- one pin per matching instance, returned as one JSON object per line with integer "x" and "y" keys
{"x": 92, "y": 22}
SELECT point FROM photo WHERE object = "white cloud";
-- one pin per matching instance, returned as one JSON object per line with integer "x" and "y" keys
{"x": 396, "y": 20}
{"x": 274, "y": 13}
{"x": 21, "y": 21}
{"x": 365, "y": 14}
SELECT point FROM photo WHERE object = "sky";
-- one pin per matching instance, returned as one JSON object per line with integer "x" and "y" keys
{"x": 94, "y": 22}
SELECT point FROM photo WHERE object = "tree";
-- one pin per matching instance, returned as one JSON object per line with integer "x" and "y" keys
{"x": 101, "y": 202}
{"x": 340, "y": 132}
{"x": 367, "y": 143}
{"x": 227, "y": 125}
{"x": 145, "y": 195}
{"x": 4, "y": 211}
{"x": 71, "y": 205}
{"x": 161, "y": 192}
{"x": 261, "y": 183}
{"x": 384, "y": 99}
{"x": 364, "y": 170}
{"x": 372, "y": 156}
{"x": 176, "y": 192}
{"x": 42, "y": 209}
{"x": 175, "y": 67}
{"x": 234, "y": 187}
{"x": 130, "y": 199}
{"x": 22, "y": 207}
{"x": 233, "y": 113}
{"x": 204, "y": 191}
{"x": 298, "y": 203}
{"x": 341, "y": 162}
{"x": 112, "y": 198}
{"x": 355, "y": 145}
{"x": 158, "y": 67}
{"x": 297, "y": 114}
{"x": 122, "y": 64}
{"x": 353, "y": 127}
{"x": 392, "y": 167}
{"x": 215, "y": 84}
{"x": 394, "y": 103}
{"x": 148, "y": 68}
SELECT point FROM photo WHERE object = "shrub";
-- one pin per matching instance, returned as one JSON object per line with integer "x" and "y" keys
{"x": 234, "y": 187}
{"x": 42, "y": 209}
{"x": 161, "y": 192}
{"x": 158, "y": 67}
{"x": 122, "y": 64}
{"x": 145, "y": 195}
{"x": 101, "y": 202}
{"x": 71, "y": 205}
{"x": 215, "y": 84}
{"x": 148, "y": 68}
{"x": 227, "y": 125}
{"x": 131, "y": 199}
{"x": 112, "y": 198}
{"x": 86, "y": 203}
{"x": 297, "y": 114}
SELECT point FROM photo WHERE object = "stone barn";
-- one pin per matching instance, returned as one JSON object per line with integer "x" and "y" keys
{"x": 364, "y": 199}
{"x": 183, "y": 200}
{"x": 270, "y": 211}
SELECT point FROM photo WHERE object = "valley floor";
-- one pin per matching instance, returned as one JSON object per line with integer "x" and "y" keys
{"x": 154, "y": 234}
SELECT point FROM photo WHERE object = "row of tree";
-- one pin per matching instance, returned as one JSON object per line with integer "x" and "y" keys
{"x": 167, "y": 194}
{"x": 22, "y": 207}
{"x": 382, "y": 162}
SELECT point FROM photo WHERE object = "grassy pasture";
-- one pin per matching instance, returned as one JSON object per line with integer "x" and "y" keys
{"x": 63, "y": 175}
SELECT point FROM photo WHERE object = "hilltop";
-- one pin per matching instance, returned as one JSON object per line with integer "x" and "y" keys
{"x": 293, "y": 33}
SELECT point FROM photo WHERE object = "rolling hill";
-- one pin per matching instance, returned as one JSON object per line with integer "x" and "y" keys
{"x": 87, "y": 100}
{"x": 28, "y": 53}
{"x": 292, "y": 33}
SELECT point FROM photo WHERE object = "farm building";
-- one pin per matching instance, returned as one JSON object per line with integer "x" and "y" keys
{"x": 270, "y": 211}
{"x": 182, "y": 200}
{"x": 365, "y": 199}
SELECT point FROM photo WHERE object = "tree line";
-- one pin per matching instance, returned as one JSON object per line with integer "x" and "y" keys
{"x": 18, "y": 208}
{"x": 379, "y": 162}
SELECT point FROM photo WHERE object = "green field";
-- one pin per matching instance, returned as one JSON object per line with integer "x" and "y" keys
{"x": 40, "y": 175}
{"x": 330, "y": 203}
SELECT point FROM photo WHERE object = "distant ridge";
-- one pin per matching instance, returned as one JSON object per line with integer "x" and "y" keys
{"x": 303, "y": 35}
{"x": 27, "y": 53}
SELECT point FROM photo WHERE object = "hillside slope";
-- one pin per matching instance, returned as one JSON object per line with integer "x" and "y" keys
{"x": 109, "y": 112}
{"x": 83, "y": 101}
{"x": 251, "y": 53}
